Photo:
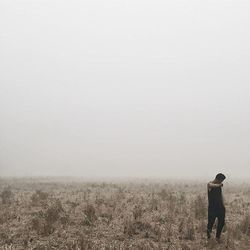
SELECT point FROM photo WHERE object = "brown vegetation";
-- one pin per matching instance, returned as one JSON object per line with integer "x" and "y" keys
{"x": 51, "y": 214}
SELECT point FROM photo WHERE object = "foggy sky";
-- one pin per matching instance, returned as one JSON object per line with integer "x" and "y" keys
{"x": 125, "y": 88}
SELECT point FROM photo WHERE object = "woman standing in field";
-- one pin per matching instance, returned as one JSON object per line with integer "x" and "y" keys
{"x": 216, "y": 207}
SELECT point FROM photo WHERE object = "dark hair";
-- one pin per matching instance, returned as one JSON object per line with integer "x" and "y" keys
{"x": 220, "y": 177}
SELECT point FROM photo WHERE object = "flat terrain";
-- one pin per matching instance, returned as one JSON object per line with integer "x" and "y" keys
{"x": 47, "y": 213}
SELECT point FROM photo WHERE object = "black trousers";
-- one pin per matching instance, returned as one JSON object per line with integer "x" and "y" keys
{"x": 214, "y": 213}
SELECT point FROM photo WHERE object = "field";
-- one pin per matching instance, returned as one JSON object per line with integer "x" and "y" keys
{"x": 53, "y": 213}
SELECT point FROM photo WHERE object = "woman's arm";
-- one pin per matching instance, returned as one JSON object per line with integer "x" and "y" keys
{"x": 214, "y": 185}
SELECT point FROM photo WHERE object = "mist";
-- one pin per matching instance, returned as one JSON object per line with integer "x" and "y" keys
{"x": 125, "y": 88}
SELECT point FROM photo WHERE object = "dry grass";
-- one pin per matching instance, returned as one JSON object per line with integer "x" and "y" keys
{"x": 52, "y": 214}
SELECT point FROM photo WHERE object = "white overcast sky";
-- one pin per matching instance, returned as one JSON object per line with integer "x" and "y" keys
{"x": 125, "y": 88}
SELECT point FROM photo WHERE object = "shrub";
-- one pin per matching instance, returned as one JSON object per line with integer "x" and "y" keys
{"x": 181, "y": 226}
{"x": 163, "y": 194}
{"x": 189, "y": 232}
{"x": 64, "y": 219}
{"x": 153, "y": 204}
{"x": 52, "y": 214}
{"x": 90, "y": 215}
{"x": 39, "y": 197}
{"x": 40, "y": 226}
{"x": 107, "y": 215}
{"x": 84, "y": 243}
{"x": 4, "y": 216}
{"x": 137, "y": 212}
{"x": 135, "y": 227}
{"x": 7, "y": 195}
{"x": 43, "y": 221}
{"x": 200, "y": 207}
{"x": 245, "y": 225}
{"x": 184, "y": 246}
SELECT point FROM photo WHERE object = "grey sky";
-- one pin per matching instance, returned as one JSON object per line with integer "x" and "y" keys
{"x": 125, "y": 88}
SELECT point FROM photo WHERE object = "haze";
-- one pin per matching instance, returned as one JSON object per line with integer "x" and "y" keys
{"x": 125, "y": 88}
